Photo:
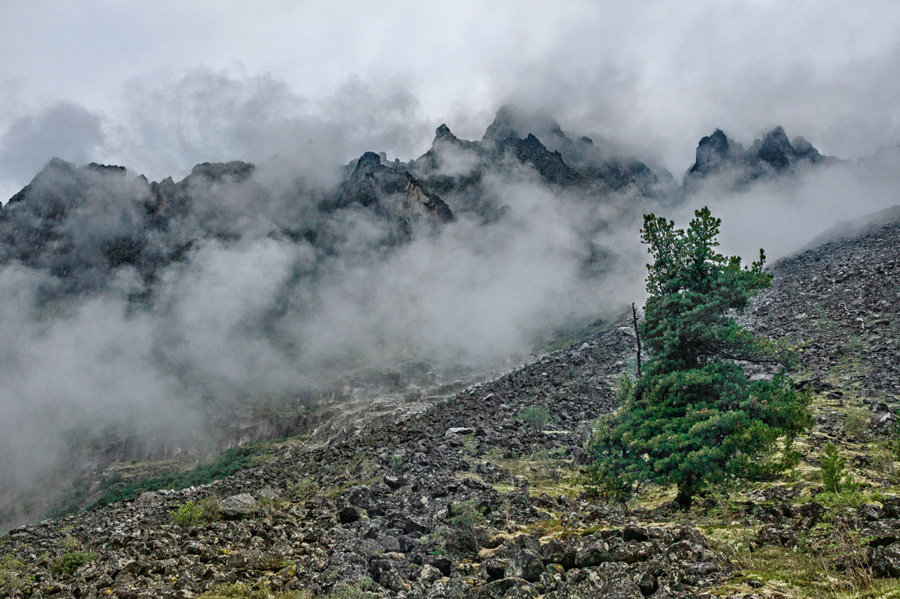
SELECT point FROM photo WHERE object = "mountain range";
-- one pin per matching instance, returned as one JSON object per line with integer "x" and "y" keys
{"x": 82, "y": 223}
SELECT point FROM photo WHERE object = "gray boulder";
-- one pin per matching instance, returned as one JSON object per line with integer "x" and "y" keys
{"x": 238, "y": 506}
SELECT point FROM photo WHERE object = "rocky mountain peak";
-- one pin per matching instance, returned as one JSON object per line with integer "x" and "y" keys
{"x": 55, "y": 166}
{"x": 503, "y": 127}
{"x": 772, "y": 155}
{"x": 390, "y": 191}
{"x": 443, "y": 134}
{"x": 55, "y": 169}
{"x": 775, "y": 149}
{"x": 455, "y": 166}
{"x": 804, "y": 149}
{"x": 171, "y": 199}
{"x": 712, "y": 152}
{"x": 549, "y": 164}
{"x": 60, "y": 185}
{"x": 368, "y": 163}
{"x": 512, "y": 123}
{"x": 237, "y": 170}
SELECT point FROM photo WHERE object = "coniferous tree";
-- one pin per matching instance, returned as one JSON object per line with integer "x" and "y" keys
{"x": 693, "y": 418}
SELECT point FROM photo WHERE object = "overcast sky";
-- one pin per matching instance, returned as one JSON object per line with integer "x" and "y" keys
{"x": 161, "y": 85}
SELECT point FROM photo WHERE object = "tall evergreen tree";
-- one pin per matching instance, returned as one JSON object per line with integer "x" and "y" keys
{"x": 693, "y": 418}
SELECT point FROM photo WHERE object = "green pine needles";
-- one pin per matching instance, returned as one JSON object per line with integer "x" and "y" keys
{"x": 693, "y": 419}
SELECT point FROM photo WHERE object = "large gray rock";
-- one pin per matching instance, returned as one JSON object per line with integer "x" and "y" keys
{"x": 238, "y": 506}
{"x": 526, "y": 564}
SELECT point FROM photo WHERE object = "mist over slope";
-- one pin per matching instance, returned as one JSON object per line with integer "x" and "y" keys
{"x": 143, "y": 307}
{"x": 390, "y": 510}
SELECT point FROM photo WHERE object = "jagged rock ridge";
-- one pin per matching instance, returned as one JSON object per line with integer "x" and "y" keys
{"x": 79, "y": 223}
{"x": 538, "y": 142}
{"x": 773, "y": 155}
{"x": 82, "y": 224}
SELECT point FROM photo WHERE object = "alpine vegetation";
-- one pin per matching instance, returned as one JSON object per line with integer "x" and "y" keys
{"x": 693, "y": 418}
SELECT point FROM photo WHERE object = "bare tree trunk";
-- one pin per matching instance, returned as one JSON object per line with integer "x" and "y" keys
{"x": 637, "y": 336}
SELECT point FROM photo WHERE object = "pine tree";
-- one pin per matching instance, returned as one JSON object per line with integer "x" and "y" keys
{"x": 693, "y": 418}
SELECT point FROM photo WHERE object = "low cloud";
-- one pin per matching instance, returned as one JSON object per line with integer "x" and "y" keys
{"x": 63, "y": 129}
{"x": 782, "y": 215}
{"x": 208, "y": 116}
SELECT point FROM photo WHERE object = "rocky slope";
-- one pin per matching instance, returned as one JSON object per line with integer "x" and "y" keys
{"x": 482, "y": 494}
{"x": 839, "y": 301}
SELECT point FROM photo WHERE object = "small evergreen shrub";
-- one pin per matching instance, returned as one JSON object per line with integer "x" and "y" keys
{"x": 303, "y": 489}
{"x": 196, "y": 513}
{"x": 856, "y": 424}
{"x": 895, "y": 448}
{"x": 464, "y": 514}
{"x": 537, "y": 417}
{"x": 600, "y": 484}
{"x": 463, "y": 536}
{"x": 835, "y": 478}
{"x": 72, "y": 559}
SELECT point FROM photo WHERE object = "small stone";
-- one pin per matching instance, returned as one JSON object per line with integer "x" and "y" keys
{"x": 459, "y": 431}
{"x": 633, "y": 532}
{"x": 394, "y": 482}
{"x": 429, "y": 574}
{"x": 647, "y": 583}
{"x": 885, "y": 560}
{"x": 348, "y": 514}
{"x": 868, "y": 511}
{"x": 525, "y": 564}
{"x": 441, "y": 562}
{"x": 147, "y": 496}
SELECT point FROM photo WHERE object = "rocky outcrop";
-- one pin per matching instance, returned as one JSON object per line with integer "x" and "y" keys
{"x": 549, "y": 165}
{"x": 778, "y": 153}
{"x": 169, "y": 199}
{"x": 82, "y": 224}
{"x": 390, "y": 192}
{"x": 60, "y": 186}
{"x": 714, "y": 152}
{"x": 540, "y": 141}
{"x": 217, "y": 171}
{"x": 37, "y": 226}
